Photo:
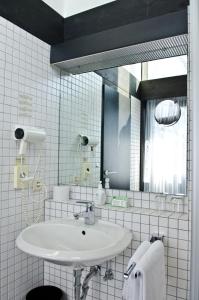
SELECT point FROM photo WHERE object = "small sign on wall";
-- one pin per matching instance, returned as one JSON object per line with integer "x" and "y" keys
{"x": 25, "y": 106}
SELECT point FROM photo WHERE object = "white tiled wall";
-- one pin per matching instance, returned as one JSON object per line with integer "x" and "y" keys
{"x": 80, "y": 114}
{"x": 25, "y": 75}
{"x": 143, "y": 222}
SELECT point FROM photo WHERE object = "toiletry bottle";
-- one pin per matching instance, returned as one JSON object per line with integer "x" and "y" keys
{"x": 107, "y": 183}
{"x": 100, "y": 198}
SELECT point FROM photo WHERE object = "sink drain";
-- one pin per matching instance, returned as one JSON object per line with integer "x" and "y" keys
{"x": 84, "y": 232}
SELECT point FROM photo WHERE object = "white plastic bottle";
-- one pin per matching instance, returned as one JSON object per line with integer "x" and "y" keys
{"x": 100, "y": 198}
{"x": 107, "y": 183}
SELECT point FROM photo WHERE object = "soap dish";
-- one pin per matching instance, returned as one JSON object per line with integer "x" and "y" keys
{"x": 120, "y": 201}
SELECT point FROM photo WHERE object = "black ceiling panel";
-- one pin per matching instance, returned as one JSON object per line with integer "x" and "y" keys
{"x": 152, "y": 29}
{"x": 118, "y": 13}
{"x": 36, "y": 17}
{"x": 163, "y": 88}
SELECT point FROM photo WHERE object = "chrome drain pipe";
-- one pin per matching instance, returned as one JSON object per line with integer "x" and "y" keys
{"x": 81, "y": 291}
{"x": 85, "y": 286}
{"x": 77, "y": 273}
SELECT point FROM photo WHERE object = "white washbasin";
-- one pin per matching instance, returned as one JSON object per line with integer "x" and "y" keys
{"x": 71, "y": 242}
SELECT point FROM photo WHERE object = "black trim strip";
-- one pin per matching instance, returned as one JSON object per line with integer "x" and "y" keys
{"x": 142, "y": 143}
{"x": 102, "y": 138}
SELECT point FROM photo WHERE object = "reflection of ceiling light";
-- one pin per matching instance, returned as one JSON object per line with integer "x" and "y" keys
{"x": 67, "y": 8}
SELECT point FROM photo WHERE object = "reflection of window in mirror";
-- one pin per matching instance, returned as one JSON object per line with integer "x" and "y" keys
{"x": 160, "y": 68}
{"x": 167, "y": 67}
{"x": 165, "y": 147}
{"x": 135, "y": 70}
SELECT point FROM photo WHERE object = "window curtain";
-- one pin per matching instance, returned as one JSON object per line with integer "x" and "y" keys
{"x": 165, "y": 152}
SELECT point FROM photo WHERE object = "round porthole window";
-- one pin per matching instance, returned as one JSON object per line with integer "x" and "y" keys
{"x": 167, "y": 112}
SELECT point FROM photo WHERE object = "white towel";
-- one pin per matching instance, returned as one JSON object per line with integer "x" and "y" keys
{"x": 152, "y": 273}
{"x": 131, "y": 288}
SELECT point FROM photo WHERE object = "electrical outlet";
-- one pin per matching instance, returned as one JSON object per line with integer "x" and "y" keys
{"x": 19, "y": 171}
{"x": 85, "y": 170}
{"x": 37, "y": 185}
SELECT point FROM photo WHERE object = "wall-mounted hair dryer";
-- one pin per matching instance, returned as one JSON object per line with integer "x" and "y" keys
{"x": 28, "y": 134}
{"x": 88, "y": 141}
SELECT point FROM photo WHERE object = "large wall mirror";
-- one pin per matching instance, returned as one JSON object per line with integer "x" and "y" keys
{"x": 126, "y": 126}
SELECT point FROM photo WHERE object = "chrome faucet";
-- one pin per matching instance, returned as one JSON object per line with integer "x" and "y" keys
{"x": 89, "y": 214}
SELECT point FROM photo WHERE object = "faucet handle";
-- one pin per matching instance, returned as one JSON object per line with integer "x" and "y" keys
{"x": 89, "y": 204}
{"x": 76, "y": 216}
{"x": 107, "y": 172}
{"x": 89, "y": 214}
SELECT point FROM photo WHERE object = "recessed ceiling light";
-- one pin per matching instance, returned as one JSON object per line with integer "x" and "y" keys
{"x": 67, "y": 8}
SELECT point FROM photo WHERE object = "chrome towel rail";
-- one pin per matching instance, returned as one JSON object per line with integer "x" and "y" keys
{"x": 129, "y": 271}
{"x": 153, "y": 239}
